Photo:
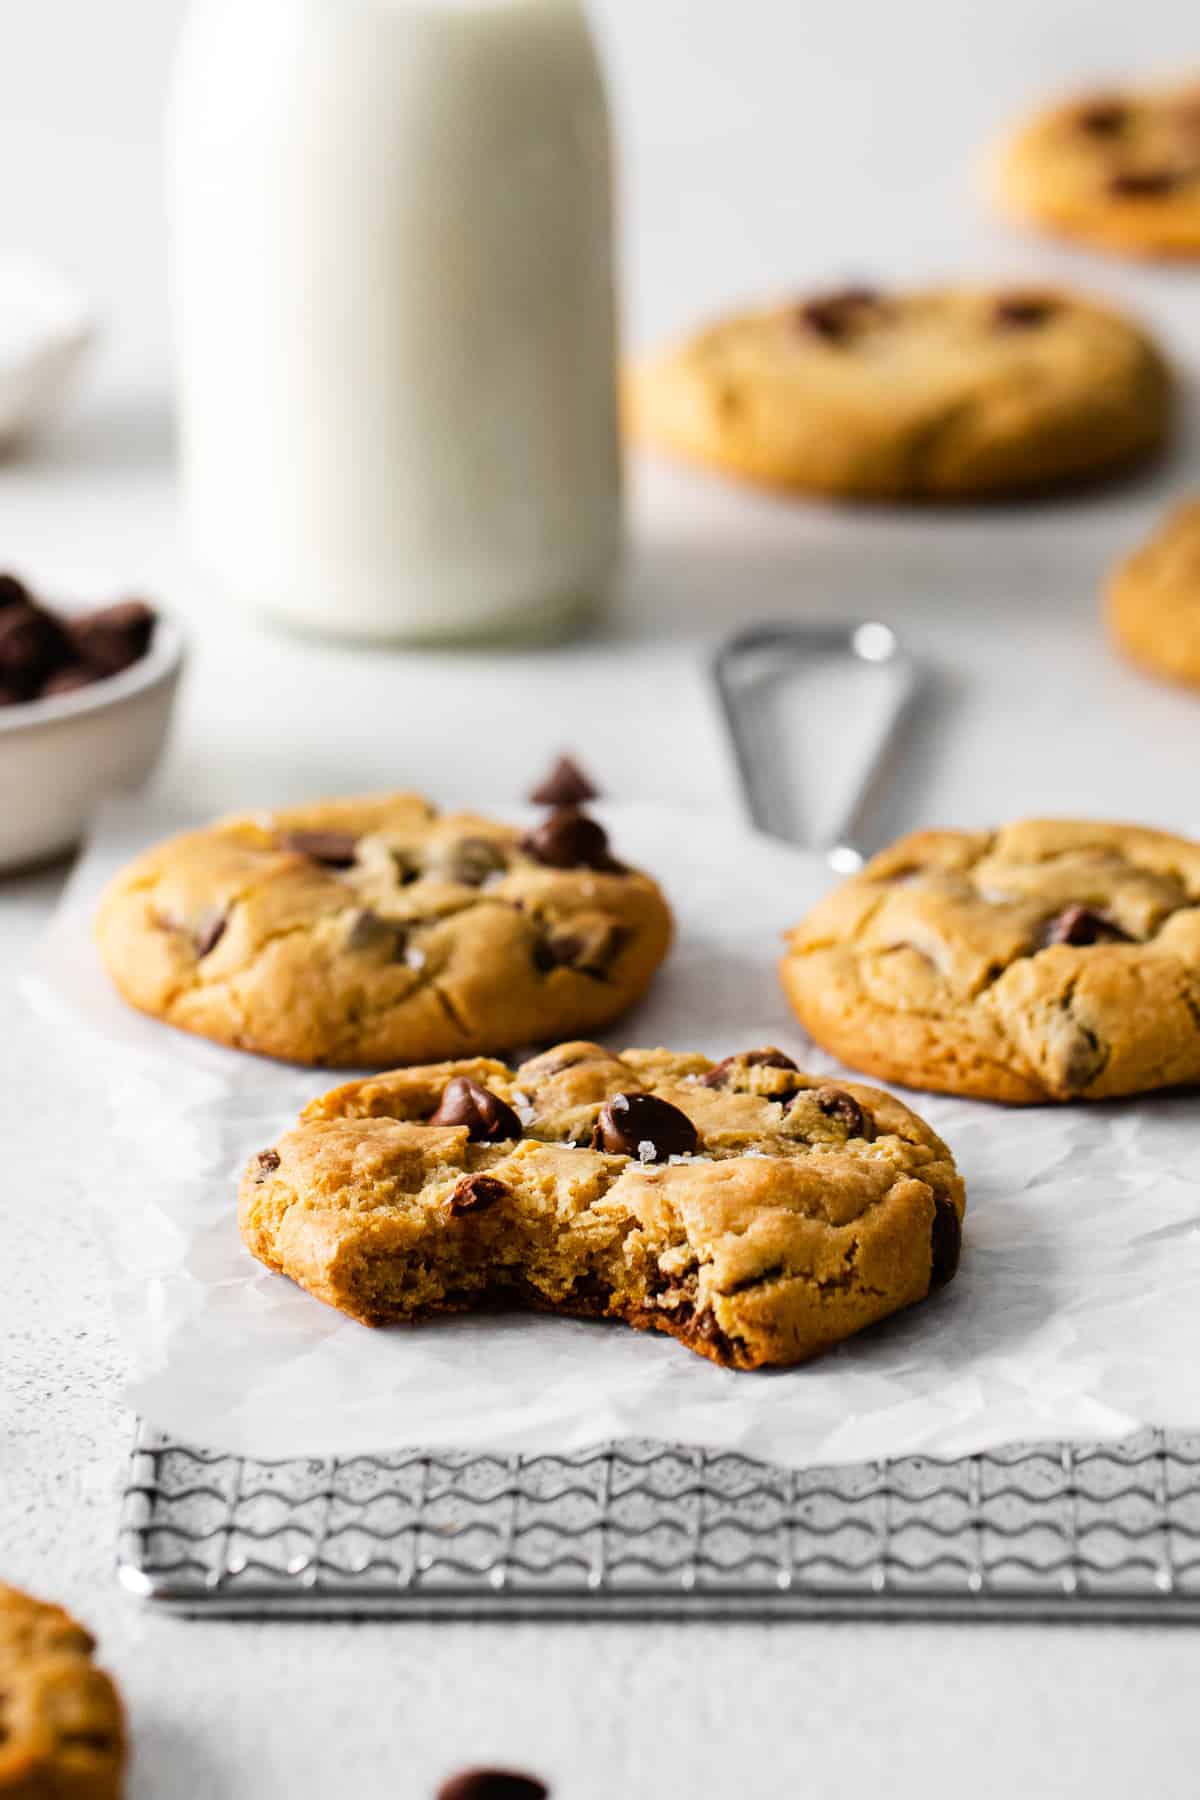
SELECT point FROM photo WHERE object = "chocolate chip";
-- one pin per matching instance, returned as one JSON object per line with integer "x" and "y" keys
{"x": 367, "y": 931}
{"x": 333, "y": 849}
{"x": 492, "y": 1784}
{"x": 834, "y": 316}
{"x": 1103, "y": 118}
{"x": 1143, "y": 184}
{"x": 469, "y": 860}
{"x": 769, "y": 1058}
{"x": 12, "y": 693}
{"x": 68, "y": 680}
{"x": 210, "y": 933}
{"x": 13, "y": 592}
{"x": 487, "y": 1119}
{"x": 644, "y": 1126}
{"x": 268, "y": 1162}
{"x": 1021, "y": 311}
{"x": 31, "y": 643}
{"x": 568, "y": 839}
{"x": 475, "y": 1193}
{"x": 945, "y": 1243}
{"x": 565, "y": 785}
{"x": 588, "y": 949}
{"x": 1079, "y": 925}
{"x": 113, "y": 637}
{"x": 835, "y": 1103}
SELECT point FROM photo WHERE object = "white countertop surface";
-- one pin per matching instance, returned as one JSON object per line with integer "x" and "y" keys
{"x": 764, "y": 145}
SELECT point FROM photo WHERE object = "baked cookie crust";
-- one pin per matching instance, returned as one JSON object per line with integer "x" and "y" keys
{"x": 62, "y": 1730}
{"x": 1154, "y": 599}
{"x": 938, "y": 394}
{"x": 756, "y": 1214}
{"x": 377, "y": 931}
{"x": 1119, "y": 168}
{"x": 1053, "y": 960}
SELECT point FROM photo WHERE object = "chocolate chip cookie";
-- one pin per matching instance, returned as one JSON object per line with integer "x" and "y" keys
{"x": 1154, "y": 599}
{"x": 755, "y": 1213}
{"x": 935, "y": 394}
{"x": 62, "y": 1732}
{"x": 1052, "y": 960}
{"x": 1119, "y": 168}
{"x": 377, "y": 931}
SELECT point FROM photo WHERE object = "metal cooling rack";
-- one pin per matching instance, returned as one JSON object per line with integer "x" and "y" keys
{"x": 1107, "y": 1531}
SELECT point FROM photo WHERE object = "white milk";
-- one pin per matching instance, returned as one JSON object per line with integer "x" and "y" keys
{"x": 394, "y": 301}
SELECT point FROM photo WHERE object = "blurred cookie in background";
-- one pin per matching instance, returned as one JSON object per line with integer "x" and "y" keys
{"x": 1119, "y": 168}
{"x": 62, "y": 1731}
{"x": 1154, "y": 599}
{"x": 941, "y": 393}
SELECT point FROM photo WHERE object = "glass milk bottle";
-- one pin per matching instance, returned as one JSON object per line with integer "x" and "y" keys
{"x": 392, "y": 261}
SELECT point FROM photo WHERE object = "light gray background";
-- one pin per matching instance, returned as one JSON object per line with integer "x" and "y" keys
{"x": 763, "y": 144}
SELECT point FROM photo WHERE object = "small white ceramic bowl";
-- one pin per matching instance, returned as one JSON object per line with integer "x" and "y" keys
{"x": 60, "y": 757}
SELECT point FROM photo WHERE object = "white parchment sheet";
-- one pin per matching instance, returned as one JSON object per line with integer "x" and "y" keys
{"x": 1076, "y": 1311}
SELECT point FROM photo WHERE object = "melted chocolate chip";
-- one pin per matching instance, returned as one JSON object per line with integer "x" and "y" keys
{"x": 475, "y": 1193}
{"x": 569, "y": 839}
{"x": 210, "y": 933}
{"x": 945, "y": 1244}
{"x": 487, "y": 1119}
{"x": 565, "y": 785}
{"x": 644, "y": 1126}
{"x": 834, "y": 316}
{"x": 367, "y": 931}
{"x": 587, "y": 950}
{"x": 469, "y": 861}
{"x": 769, "y": 1058}
{"x": 1021, "y": 311}
{"x": 835, "y": 1103}
{"x": 1143, "y": 184}
{"x": 1103, "y": 118}
{"x": 113, "y": 637}
{"x": 1079, "y": 925}
{"x": 333, "y": 849}
{"x": 268, "y": 1162}
{"x": 492, "y": 1784}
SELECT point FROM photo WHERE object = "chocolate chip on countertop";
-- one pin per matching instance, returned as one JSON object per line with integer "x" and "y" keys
{"x": 1103, "y": 118}
{"x": 31, "y": 643}
{"x": 644, "y": 1126}
{"x": 68, "y": 680}
{"x": 13, "y": 592}
{"x": 493, "y": 1784}
{"x": 569, "y": 839}
{"x": 475, "y": 1193}
{"x": 1143, "y": 184}
{"x": 333, "y": 849}
{"x": 113, "y": 637}
{"x": 268, "y": 1162}
{"x": 1079, "y": 925}
{"x": 768, "y": 1058}
{"x": 1021, "y": 311}
{"x": 487, "y": 1119}
{"x": 945, "y": 1244}
{"x": 833, "y": 316}
{"x": 565, "y": 785}
{"x": 835, "y": 1103}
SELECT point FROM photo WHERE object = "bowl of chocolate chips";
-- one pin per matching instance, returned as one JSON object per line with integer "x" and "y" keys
{"x": 85, "y": 699}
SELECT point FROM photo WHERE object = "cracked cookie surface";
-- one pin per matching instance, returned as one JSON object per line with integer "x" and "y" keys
{"x": 1154, "y": 599}
{"x": 757, "y": 1214}
{"x": 62, "y": 1732}
{"x": 1051, "y": 960}
{"x": 931, "y": 394}
{"x": 1119, "y": 168}
{"x": 376, "y": 931}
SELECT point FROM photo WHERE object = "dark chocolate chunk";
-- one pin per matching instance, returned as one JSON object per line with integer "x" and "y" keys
{"x": 565, "y": 785}
{"x": 1079, "y": 925}
{"x": 493, "y": 1784}
{"x": 1022, "y": 311}
{"x": 13, "y": 592}
{"x": 835, "y": 1103}
{"x": 770, "y": 1058}
{"x": 568, "y": 839}
{"x": 113, "y": 637}
{"x": 268, "y": 1162}
{"x": 475, "y": 1193}
{"x": 487, "y": 1119}
{"x": 834, "y": 316}
{"x": 644, "y": 1126}
{"x": 210, "y": 933}
{"x": 1143, "y": 184}
{"x": 1103, "y": 118}
{"x": 334, "y": 849}
{"x": 945, "y": 1243}
{"x": 31, "y": 644}
{"x": 68, "y": 680}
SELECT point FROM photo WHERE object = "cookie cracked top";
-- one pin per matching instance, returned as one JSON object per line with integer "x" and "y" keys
{"x": 62, "y": 1729}
{"x": 755, "y": 1213}
{"x": 927, "y": 393}
{"x": 378, "y": 931}
{"x": 1119, "y": 167}
{"x": 1051, "y": 960}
